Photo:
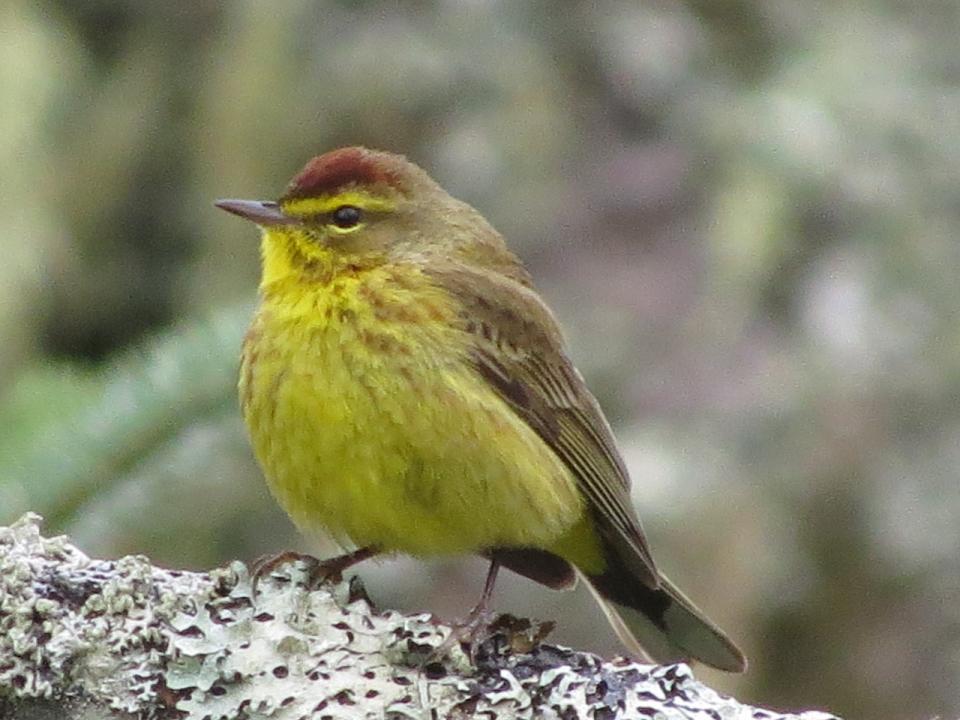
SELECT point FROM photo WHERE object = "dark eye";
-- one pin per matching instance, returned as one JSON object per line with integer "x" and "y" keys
{"x": 346, "y": 216}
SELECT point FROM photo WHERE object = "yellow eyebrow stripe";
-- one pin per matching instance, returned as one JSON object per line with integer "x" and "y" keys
{"x": 304, "y": 207}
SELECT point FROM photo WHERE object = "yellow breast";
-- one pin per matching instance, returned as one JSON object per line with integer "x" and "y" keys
{"x": 370, "y": 423}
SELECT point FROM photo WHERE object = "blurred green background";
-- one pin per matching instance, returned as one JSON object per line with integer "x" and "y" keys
{"x": 745, "y": 214}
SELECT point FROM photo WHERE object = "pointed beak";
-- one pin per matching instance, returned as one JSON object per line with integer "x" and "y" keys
{"x": 262, "y": 212}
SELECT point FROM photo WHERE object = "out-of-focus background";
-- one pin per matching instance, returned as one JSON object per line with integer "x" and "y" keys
{"x": 745, "y": 214}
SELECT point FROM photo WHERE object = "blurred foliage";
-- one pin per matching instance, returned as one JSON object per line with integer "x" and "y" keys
{"x": 745, "y": 213}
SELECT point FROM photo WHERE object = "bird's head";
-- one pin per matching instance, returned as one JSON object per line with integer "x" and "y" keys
{"x": 350, "y": 205}
{"x": 358, "y": 208}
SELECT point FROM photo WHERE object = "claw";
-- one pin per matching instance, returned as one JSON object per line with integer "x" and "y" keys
{"x": 475, "y": 630}
{"x": 318, "y": 571}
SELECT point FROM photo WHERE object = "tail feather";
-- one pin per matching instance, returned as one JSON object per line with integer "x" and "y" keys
{"x": 662, "y": 624}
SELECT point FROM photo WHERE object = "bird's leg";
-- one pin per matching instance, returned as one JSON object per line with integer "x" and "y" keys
{"x": 472, "y": 630}
{"x": 318, "y": 570}
{"x": 483, "y": 607}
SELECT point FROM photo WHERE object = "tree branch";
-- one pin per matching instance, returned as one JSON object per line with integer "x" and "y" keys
{"x": 85, "y": 638}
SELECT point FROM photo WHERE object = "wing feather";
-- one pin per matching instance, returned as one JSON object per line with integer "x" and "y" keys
{"x": 518, "y": 348}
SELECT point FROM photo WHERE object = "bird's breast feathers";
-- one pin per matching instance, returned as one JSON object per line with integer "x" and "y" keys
{"x": 370, "y": 423}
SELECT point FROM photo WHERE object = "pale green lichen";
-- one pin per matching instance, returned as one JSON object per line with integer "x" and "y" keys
{"x": 159, "y": 643}
{"x": 74, "y": 626}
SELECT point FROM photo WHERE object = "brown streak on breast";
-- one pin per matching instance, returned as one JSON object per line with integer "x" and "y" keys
{"x": 383, "y": 343}
{"x": 278, "y": 380}
{"x": 249, "y": 355}
{"x": 314, "y": 272}
{"x": 371, "y": 297}
{"x": 385, "y": 311}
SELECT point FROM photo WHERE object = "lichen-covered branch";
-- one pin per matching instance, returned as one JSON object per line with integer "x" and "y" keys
{"x": 86, "y": 638}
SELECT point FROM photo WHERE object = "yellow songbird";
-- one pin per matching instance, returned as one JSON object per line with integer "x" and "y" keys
{"x": 407, "y": 389}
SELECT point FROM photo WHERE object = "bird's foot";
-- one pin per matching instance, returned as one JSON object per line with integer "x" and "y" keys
{"x": 318, "y": 571}
{"x": 470, "y": 633}
{"x": 474, "y": 631}
{"x": 266, "y": 564}
{"x": 487, "y": 637}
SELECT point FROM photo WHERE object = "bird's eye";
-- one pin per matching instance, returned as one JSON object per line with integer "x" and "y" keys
{"x": 346, "y": 217}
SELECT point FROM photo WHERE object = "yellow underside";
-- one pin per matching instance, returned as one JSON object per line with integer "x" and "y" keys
{"x": 370, "y": 424}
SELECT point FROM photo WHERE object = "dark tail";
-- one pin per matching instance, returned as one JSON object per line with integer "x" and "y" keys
{"x": 661, "y": 624}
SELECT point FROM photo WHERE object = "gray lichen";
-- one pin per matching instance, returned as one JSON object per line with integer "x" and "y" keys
{"x": 130, "y": 638}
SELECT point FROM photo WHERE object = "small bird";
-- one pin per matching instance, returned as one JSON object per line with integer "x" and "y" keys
{"x": 406, "y": 389}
